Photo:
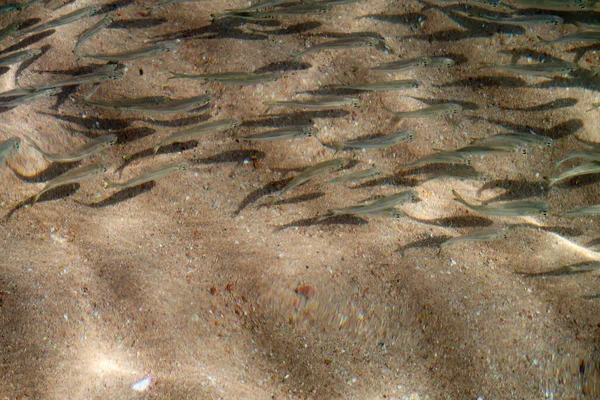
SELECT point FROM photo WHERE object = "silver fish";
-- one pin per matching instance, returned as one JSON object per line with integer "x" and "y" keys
{"x": 506, "y": 209}
{"x": 340, "y": 44}
{"x": 316, "y": 170}
{"x": 109, "y": 72}
{"x": 559, "y": 5}
{"x": 514, "y": 140}
{"x": 431, "y": 111}
{"x": 384, "y": 203}
{"x": 412, "y": 63}
{"x": 517, "y": 20}
{"x": 584, "y": 36}
{"x": 19, "y": 56}
{"x": 454, "y": 174}
{"x": 64, "y": 20}
{"x": 151, "y": 175}
{"x": 141, "y": 52}
{"x": 548, "y": 69}
{"x": 481, "y": 235}
{"x": 73, "y": 176}
{"x": 378, "y": 142}
{"x": 29, "y": 98}
{"x": 474, "y": 150}
{"x": 441, "y": 157}
{"x": 198, "y": 130}
{"x": 168, "y": 2}
{"x": 87, "y": 149}
{"x": 7, "y": 147}
{"x": 390, "y": 86}
{"x": 585, "y": 169}
{"x": 592, "y": 210}
{"x": 258, "y": 6}
{"x": 317, "y": 104}
{"x": 355, "y": 176}
{"x": 10, "y": 29}
{"x": 231, "y": 78}
{"x": 285, "y": 133}
{"x": 162, "y": 105}
{"x": 589, "y": 154}
{"x": 92, "y": 31}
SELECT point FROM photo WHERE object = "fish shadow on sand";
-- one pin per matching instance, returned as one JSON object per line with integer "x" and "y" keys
{"x": 172, "y": 148}
{"x": 582, "y": 78}
{"x": 123, "y": 195}
{"x": 389, "y": 180}
{"x": 57, "y": 193}
{"x": 579, "y": 181}
{"x": 295, "y": 118}
{"x": 266, "y": 190}
{"x": 138, "y": 23}
{"x": 412, "y": 18}
{"x": 516, "y": 189}
{"x": 231, "y": 156}
{"x": 294, "y": 29}
{"x": 177, "y": 122}
{"x": 282, "y": 66}
{"x": 53, "y": 171}
{"x": 115, "y": 5}
{"x": 491, "y": 81}
{"x": 461, "y": 221}
{"x": 593, "y": 242}
{"x": 123, "y": 135}
{"x": 432, "y": 242}
{"x": 559, "y": 131}
{"x": 552, "y": 105}
{"x": 28, "y": 41}
{"x": 338, "y": 220}
{"x": 27, "y": 63}
{"x": 561, "y": 271}
{"x": 566, "y": 231}
{"x": 222, "y": 28}
{"x": 102, "y": 124}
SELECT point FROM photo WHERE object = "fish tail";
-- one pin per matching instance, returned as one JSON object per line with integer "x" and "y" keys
{"x": 459, "y": 198}
{"x": 156, "y": 148}
{"x": 174, "y": 75}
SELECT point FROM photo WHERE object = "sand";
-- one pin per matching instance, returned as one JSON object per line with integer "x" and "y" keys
{"x": 197, "y": 286}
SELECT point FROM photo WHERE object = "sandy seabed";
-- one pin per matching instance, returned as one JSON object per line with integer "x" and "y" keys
{"x": 195, "y": 284}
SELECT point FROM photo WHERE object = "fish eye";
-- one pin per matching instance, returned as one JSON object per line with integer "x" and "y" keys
{"x": 544, "y": 212}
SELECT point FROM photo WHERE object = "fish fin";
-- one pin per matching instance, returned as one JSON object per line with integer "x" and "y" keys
{"x": 156, "y": 149}
{"x": 460, "y": 199}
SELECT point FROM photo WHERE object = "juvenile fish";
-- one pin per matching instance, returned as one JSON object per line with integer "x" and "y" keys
{"x": 87, "y": 149}
{"x": 10, "y": 29}
{"x": 19, "y": 57}
{"x": 515, "y": 140}
{"x": 285, "y": 133}
{"x": 412, "y": 63}
{"x": 295, "y": 10}
{"x": 315, "y": 171}
{"x": 559, "y": 5}
{"x": 506, "y": 209}
{"x": 317, "y": 104}
{"x": 168, "y": 2}
{"x": 92, "y": 31}
{"x": 109, "y": 72}
{"x": 456, "y": 174}
{"x": 231, "y": 78}
{"x": 64, "y": 20}
{"x": 517, "y": 20}
{"x": 589, "y": 154}
{"x": 375, "y": 207}
{"x": 585, "y": 36}
{"x": 7, "y": 147}
{"x": 441, "y": 157}
{"x": 388, "y": 86}
{"x": 355, "y": 176}
{"x": 340, "y": 44}
{"x": 198, "y": 130}
{"x": 585, "y": 169}
{"x": 73, "y": 176}
{"x": 593, "y": 210}
{"x": 160, "y": 104}
{"x": 431, "y": 111}
{"x": 258, "y": 6}
{"x": 142, "y": 52}
{"x": 379, "y": 142}
{"x": 28, "y": 98}
{"x": 481, "y": 235}
{"x": 151, "y": 175}
{"x": 548, "y": 69}
{"x": 473, "y": 150}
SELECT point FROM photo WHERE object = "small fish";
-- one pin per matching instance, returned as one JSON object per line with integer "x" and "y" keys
{"x": 516, "y": 20}
{"x": 373, "y": 208}
{"x": 198, "y": 130}
{"x": 431, "y": 111}
{"x": 108, "y": 72}
{"x": 141, "y": 52}
{"x": 64, "y": 20}
{"x": 285, "y": 133}
{"x": 296, "y": 10}
{"x": 584, "y": 26}
{"x": 317, "y": 104}
{"x": 515, "y": 139}
{"x": 568, "y": 269}
{"x": 441, "y": 157}
{"x": 591, "y": 210}
{"x": 231, "y": 78}
{"x": 73, "y": 176}
{"x": 559, "y": 5}
{"x": 388, "y": 86}
{"x": 92, "y": 31}
{"x": 378, "y": 142}
{"x": 481, "y": 235}
{"x": 355, "y": 176}
{"x": 506, "y": 209}
{"x": 163, "y": 105}
{"x": 19, "y": 57}
{"x": 583, "y": 36}
{"x": 454, "y": 174}
{"x": 28, "y": 98}
{"x": 10, "y": 29}
{"x": 91, "y": 147}
{"x": 315, "y": 171}
{"x": 409, "y": 64}
{"x": 473, "y": 150}
{"x": 340, "y": 44}
{"x": 151, "y": 175}
{"x": 585, "y": 169}
{"x": 7, "y": 147}
{"x": 259, "y": 6}
{"x": 548, "y": 69}
{"x": 588, "y": 154}
{"x": 168, "y": 2}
